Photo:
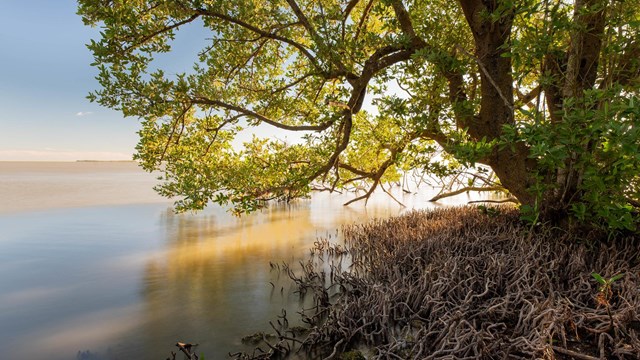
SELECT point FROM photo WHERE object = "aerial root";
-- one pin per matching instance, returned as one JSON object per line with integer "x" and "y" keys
{"x": 459, "y": 283}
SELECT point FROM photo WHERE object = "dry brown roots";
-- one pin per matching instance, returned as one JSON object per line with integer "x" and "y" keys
{"x": 463, "y": 284}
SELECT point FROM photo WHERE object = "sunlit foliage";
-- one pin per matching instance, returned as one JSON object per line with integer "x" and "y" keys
{"x": 544, "y": 93}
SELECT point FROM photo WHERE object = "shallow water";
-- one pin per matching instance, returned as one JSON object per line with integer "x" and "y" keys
{"x": 92, "y": 260}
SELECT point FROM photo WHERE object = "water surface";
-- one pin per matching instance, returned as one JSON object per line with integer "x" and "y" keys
{"x": 92, "y": 259}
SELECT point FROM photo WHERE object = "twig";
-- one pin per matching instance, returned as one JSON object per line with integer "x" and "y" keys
{"x": 391, "y": 195}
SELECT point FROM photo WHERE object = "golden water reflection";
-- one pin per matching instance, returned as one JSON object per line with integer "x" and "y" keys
{"x": 128, "y": 282}
{"x": 213, "y": 285}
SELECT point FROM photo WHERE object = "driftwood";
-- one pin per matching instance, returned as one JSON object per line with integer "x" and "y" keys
{"x": 460, "y": 283}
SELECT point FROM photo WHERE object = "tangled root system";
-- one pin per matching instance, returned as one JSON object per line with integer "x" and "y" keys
{"x": 462, "y": 284}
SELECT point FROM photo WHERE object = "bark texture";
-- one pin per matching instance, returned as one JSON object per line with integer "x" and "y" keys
{"x": 571, "y": 73}
{"x": 512, "y": 164}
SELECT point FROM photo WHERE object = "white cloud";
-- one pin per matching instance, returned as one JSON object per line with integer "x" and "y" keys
{"x": 84, "y": 113}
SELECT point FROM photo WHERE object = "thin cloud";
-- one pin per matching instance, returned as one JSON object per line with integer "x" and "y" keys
{"x": 84, "y": 113}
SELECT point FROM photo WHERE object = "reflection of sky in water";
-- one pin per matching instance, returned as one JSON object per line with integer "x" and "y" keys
{"x": 57, "y": 286}
{"x": 135, "y": 279}
{"x": 27, "y": 186}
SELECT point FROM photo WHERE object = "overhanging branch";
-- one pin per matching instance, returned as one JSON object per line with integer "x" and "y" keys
{"x": 250, "y": 113}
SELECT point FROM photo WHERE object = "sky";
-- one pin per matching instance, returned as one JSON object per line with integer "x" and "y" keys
{"x": 45, "y": 76}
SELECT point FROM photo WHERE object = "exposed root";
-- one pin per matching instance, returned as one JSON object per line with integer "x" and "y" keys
{"x": 457, "y": 283}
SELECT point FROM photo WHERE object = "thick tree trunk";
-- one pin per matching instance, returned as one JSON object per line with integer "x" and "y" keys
{"x": 511, "y": 165}
{"x": 574, "y": 72}
{"x": 515, "y": 171}
{"x": 580, "y": 75}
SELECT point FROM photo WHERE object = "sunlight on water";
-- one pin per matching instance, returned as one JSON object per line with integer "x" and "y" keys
{"x": 92, "y": 260}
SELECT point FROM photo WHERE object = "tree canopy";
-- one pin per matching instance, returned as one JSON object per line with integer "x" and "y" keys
{"x": 542, "y": 92}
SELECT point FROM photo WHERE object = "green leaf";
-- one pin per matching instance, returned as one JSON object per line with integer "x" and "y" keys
{"x": 598, "y": 278}
{"x": 616, "y": 277}
{"x": 257, "y": 68}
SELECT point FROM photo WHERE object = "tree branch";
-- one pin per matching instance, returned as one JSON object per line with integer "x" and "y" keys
{"x": 365, "y": 196}
{"x": 314, "y": 34}
{"x": 365, "y": 14}
{"x": 216, "y": 131}
{"x": 584, "y": 48}
{"x": 527, "y": 98}
{"x": 465, "y": 189}
{"x": 435, "y": 135}
{"x": 347, "y": 10}
{"x": 205, "y": 101}
{"x": 356, "y": 171}
{"x": 377, "y": 176}
{"x": 405, "y": 21}
{"x": 393, "y": 197}
{"x": 458, "y": 97}
{"x": 510, "y": 199}
{"x": 633, "y": 202}
{"x": 628, "y": 68}
{"x": 293, "y": 83}
{"x": 158, "y": 32}
{"x": 173, "y": 130}
{"x": 303, "y": 19}
{"x": 486, "y": 73}
{"x": 255, "y": 29}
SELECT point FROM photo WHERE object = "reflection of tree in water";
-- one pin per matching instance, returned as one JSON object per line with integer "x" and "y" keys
{"x": 213, "y": 285}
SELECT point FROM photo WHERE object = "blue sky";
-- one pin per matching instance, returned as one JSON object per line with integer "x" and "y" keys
{"x": 44, "y": 78}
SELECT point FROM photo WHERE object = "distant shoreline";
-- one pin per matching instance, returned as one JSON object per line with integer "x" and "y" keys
{"x": 68, "y": 161}
{"x": 105, "y": 161}
{"x": 37, "y": 186}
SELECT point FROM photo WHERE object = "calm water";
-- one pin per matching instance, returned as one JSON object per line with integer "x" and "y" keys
{"x": 91, "y": 259}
